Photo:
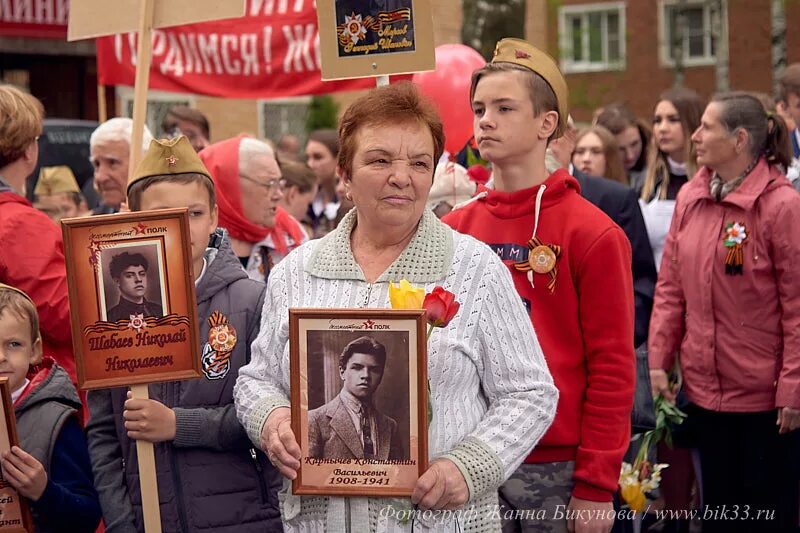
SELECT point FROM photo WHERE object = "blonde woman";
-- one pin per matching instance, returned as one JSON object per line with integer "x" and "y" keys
{"x": 596, "y": 153}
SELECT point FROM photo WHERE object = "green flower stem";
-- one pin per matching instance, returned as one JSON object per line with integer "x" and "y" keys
{"x": 430, "y": 405}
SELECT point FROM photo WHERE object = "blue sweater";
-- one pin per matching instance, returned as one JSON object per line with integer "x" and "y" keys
{"x": 69, "y": 503}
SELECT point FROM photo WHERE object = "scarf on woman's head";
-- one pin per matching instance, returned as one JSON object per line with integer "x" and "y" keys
{"x": 222, "y": 161}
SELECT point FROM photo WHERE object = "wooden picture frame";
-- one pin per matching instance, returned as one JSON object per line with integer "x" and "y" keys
{"x": 15, "y": 515}
{"x": 117, "y": 342}
{"x": 358, "y": 44}
{"x": 339, "y": 458}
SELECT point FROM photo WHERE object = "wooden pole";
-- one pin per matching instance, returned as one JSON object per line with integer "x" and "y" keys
{"x": 102, "y": 111}
{"x": 144, "y": 450}
{"x": 147, "y": 474}
{"x": 144, "y": 56}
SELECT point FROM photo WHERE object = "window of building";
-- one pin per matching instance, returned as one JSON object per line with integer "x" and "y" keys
{"x": 592, "y": 37}
{"x": 692, "y": 29}
{"x": 158, "y": 103}
{"x": 281, "y": 116}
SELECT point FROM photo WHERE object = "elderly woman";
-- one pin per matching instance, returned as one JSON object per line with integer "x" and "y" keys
{"x": 492, "y": 395}
{"x": 728, "y": 298}
{"x": 249, "y": 190}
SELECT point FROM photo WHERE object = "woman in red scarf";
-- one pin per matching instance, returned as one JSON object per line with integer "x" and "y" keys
{"x": 249, "y": 186}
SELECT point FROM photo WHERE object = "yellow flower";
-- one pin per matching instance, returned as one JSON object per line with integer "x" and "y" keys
{"x": 406, "y": 296}
{"x": 633, "y": 496}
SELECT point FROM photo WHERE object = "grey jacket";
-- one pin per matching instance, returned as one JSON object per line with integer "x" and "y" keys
{"x": 210, "y": 478}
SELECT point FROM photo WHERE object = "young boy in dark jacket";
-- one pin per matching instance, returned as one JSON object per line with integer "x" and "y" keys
{"x": 210, "y": 478}
{"x": 51, "y": 466}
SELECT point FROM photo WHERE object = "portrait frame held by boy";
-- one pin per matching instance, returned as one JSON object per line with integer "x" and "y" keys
{"x": 151, "y": 335}
{"x": 359, "y": 400}
{"x": 15, "y": 515}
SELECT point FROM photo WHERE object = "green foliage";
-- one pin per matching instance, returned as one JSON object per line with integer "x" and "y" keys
{"x": 322, "y": 113}
{"x": 486, "y": 22}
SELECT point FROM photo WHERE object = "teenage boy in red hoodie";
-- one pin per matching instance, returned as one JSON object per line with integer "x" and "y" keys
{"x": 572, "y": 267}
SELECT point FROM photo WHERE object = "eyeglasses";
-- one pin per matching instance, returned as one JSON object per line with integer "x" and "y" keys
{"x": 270, "y": 186}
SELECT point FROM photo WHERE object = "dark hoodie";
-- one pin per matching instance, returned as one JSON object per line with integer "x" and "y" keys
{"x": 48, "y": 428}
{"x": 209, "y": 477}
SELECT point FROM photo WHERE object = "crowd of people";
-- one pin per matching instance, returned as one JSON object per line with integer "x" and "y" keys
{"x": 673, "y": 233}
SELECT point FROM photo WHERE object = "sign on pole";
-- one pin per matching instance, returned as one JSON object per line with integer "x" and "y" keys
{"x": 94, "y": 18}
{"x": 357, "y": 41}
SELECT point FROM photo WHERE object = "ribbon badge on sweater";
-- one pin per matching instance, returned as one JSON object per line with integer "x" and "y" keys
{"x": 542, "y": 260}
{"x": 541, "y": 257}
{"x": 735, "y": 237}
{"x": 216, "y": 358}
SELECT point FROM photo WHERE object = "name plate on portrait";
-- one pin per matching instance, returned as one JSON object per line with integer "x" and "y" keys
{"x": 359, "y": 400}
{"x": 15, "y": 516}
{"x": 132, "y": 299}
{"x": 360, "y": 39}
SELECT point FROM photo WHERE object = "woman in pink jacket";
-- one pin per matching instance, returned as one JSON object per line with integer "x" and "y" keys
{"x": 728, "y": 300}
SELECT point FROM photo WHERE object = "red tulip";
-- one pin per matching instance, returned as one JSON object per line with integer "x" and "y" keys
{"x": 441, "y": 306}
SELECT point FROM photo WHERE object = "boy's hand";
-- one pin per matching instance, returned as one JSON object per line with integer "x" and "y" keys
{"x": 148, "y": 420}
{"x": 24, "y": 473}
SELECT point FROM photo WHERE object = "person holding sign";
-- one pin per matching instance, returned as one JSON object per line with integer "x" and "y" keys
{"x": 491, "y": 394}
{"x": 203, "y": 456}
{"x": 51, "y": 467}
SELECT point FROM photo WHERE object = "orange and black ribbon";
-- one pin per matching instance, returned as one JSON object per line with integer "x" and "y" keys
{"x": 734, "y": 261}
{"x": 525, "y": 266}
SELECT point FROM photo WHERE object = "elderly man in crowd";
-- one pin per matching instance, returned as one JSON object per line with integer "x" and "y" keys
{"x": 110, "y": 147}
{"x": 249, "y": 187}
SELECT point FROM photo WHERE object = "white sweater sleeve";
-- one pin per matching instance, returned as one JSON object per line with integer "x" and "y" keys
{"x": 515, "y": 379}
{"x": 260, "y": 387}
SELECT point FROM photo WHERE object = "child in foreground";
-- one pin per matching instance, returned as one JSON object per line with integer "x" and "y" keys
{"x": 210, "y": 478}
{"x": 50, "y": 467}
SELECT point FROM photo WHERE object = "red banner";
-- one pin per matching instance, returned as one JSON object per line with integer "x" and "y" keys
{"x": 45, "y": 19}
{"x": 271, "y": 52}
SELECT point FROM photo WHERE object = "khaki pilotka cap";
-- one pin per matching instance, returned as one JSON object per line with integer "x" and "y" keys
{"x": 167, "y": 157}
{"x": 14, "y": 289}
{"x": 526, "y": 55}
{"x": 56, "y": 180}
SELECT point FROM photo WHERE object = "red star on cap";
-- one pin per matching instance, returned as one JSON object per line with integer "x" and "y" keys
{"x": 522, "y": 55}
{"x": 172, "y": 160}
{"x": 139, "y": 228}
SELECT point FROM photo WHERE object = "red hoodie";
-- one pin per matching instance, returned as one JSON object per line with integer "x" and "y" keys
{"x": 32, "y": 260}
{"x": 585, "y": 325}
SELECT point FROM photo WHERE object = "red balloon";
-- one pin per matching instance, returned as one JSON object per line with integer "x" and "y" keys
{"x": 448, "y": 87}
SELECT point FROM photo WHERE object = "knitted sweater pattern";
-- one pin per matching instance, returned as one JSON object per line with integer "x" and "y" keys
{"x": 492, "y": 394}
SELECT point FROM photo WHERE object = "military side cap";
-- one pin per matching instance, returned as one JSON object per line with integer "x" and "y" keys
{"x": 56, "y": 180}
{"x": 14, "y": 289}
{"x": 526, "y": 55}
{"x": 167, "y": 157}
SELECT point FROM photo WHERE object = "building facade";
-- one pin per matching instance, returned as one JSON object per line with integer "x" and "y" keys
{"x": 626, "y": 50}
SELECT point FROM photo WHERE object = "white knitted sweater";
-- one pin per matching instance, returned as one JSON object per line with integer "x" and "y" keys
{"x": 492, "y": 395}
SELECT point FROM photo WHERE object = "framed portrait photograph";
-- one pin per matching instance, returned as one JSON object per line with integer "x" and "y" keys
{"x": 361, "y": 38}
{"x": 359, "y": 400}
{"x": 15, "y": 515}
{"x": 131, "y": 289}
